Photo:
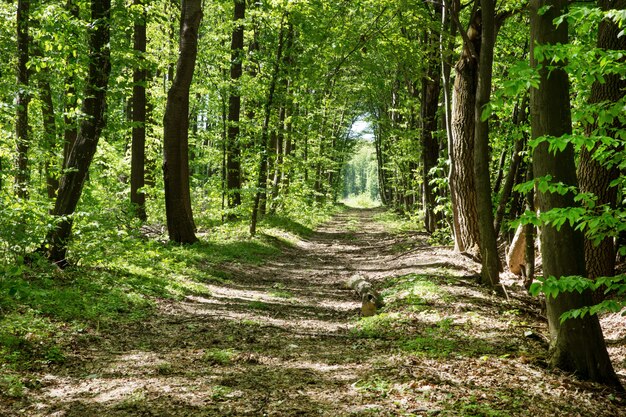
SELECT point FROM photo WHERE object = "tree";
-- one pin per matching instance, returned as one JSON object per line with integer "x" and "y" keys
{"x": 23, "y": 99}
{"x": 577, "y": 345}
{"x": 180, "y": 224}
{"x": 488, "y": 245}
{"x": 233, "y": 151}
{"x": 91, "y": 125}
{"x": 138, "y": 150}
{"x": 595, "y": 177}
{"x": 462, "y": 183}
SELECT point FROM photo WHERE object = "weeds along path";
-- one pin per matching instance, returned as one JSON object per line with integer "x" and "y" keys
{"x": 284, "y": 339}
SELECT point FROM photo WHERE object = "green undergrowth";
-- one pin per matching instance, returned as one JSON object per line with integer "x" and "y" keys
{"x": 117, "y": 276}
{"x": 396, "y": 223}
{"x": 419, "y": 317}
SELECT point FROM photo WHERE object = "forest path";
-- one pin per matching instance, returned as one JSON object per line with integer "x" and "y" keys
{"x": 284, "y": 339}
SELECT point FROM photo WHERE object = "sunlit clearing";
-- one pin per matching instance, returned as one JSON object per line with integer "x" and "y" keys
{"x": 360, "y": 177}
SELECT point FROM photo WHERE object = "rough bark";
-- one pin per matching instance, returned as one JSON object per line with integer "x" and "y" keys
{"x": 577, "y": 345}
{"x": 431, "y": 87}
{"x": 462, "y": 184}
{"x": 138, "y": 147}
{"x": 233, "y": 150}
{"x": 23, "y": 100}
{"x": 82, "y": 152}
{"x": 180, "y": 224}
{"x": 488, "y": 245}
{"x": 592, "y": 175}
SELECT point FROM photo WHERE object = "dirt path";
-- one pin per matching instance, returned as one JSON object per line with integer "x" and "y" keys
{"x": 284, "y": 339}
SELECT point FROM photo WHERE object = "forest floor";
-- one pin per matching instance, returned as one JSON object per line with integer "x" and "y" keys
{"x": 284, "y": 338}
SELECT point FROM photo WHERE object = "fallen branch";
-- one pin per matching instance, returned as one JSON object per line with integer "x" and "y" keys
{"x": 371, "y": 301}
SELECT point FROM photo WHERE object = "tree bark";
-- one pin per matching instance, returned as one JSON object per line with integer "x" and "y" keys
{"x": 462, "y": 184}
{"x": 81, "y": 154}
{"x": 431, "y": 86}
{"x": 138, "y": 147}
{"x": 70, "y": 122}
{"x": 23, "y": 100}
{"x": 592, "y": 175}
{"x": 233, "y": 150}
{"x": 488, "y": 245}
{"x": 180, "y": 224}
{"x": 577, "y": 345}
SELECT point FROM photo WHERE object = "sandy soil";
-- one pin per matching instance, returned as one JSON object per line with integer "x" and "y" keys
{"x": 285, "y": 339}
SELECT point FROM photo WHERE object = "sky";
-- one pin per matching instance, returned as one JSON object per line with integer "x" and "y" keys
{"x": 362, "y": 128}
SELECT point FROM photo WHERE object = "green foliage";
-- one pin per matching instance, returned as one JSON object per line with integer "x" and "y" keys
{"x": 553, "y": 287}
{"x": 217, "y": 356}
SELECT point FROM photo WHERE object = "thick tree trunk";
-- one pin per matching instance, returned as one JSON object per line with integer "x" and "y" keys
{"x": 577, "y": 345}
{"x": 592, "y": 175}
{"x": 233, "y": 150}
{"x": 462, "y": 184}
{"x": 180, "y": 224}
{"x": 23, "y": 100}
{"x": 81, "y": 154}
{"x": 488, "y": 244}
{"x": 138, "y": 147}
{"x": 431, "y": 86}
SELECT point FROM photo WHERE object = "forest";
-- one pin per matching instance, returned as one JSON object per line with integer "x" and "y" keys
{"x": 312, "y": 207}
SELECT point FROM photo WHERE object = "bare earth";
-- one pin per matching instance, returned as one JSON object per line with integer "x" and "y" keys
{"x": 285, "y": 339}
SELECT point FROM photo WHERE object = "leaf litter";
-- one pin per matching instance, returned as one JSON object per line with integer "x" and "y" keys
{"x": 284, "y": 338}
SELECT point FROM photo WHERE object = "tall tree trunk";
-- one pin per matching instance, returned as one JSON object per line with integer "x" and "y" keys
{"x": 262, "y": 178}
{"x": 592, "y": 175}
{"x": 233, "y": 150}
{"x": 81, "y": 154}
{"x": 577, "y": 345}
{"x": 431, "y": 86}
{"x": 488, "y": 244}
{"x": 180, "y": 224}
{"x": 462, "y": 184}
{"x": 23, "y": 100}
{"x": 138, "y": 152}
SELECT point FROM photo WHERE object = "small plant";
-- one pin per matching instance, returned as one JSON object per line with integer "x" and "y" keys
{"x": 164, "y": 368}
{"x": 220, "y": 392}
{"x": 281, "y": 294}
{"x": 11, "y": 386}
{"x": 219, "y": 356}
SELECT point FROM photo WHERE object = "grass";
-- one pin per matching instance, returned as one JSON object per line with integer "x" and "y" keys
{"x": 117, "y": 277}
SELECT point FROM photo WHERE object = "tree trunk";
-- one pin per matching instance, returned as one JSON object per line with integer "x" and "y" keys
{"x": 488, "y": 244}
{"x": 431, "y": 86}
{"x": 577, "y": 345}
{"x": 138, "y": 151}
{"x": 233, "y": 151}
{"x": 262, "y": 178}
{"x": 23, "y": 100}
{"x": 180, "y": 224}
{"x": 81, "y": 154}
{"x": 462, "y": 184}
{"x": 592, "y": 175}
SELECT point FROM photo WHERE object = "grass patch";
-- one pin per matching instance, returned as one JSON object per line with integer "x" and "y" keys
{"x": 396, "y": 223}
{"x": 258, "y": 305}
{"x": 117, "y": 276}
{"x": 217, "y": 356}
